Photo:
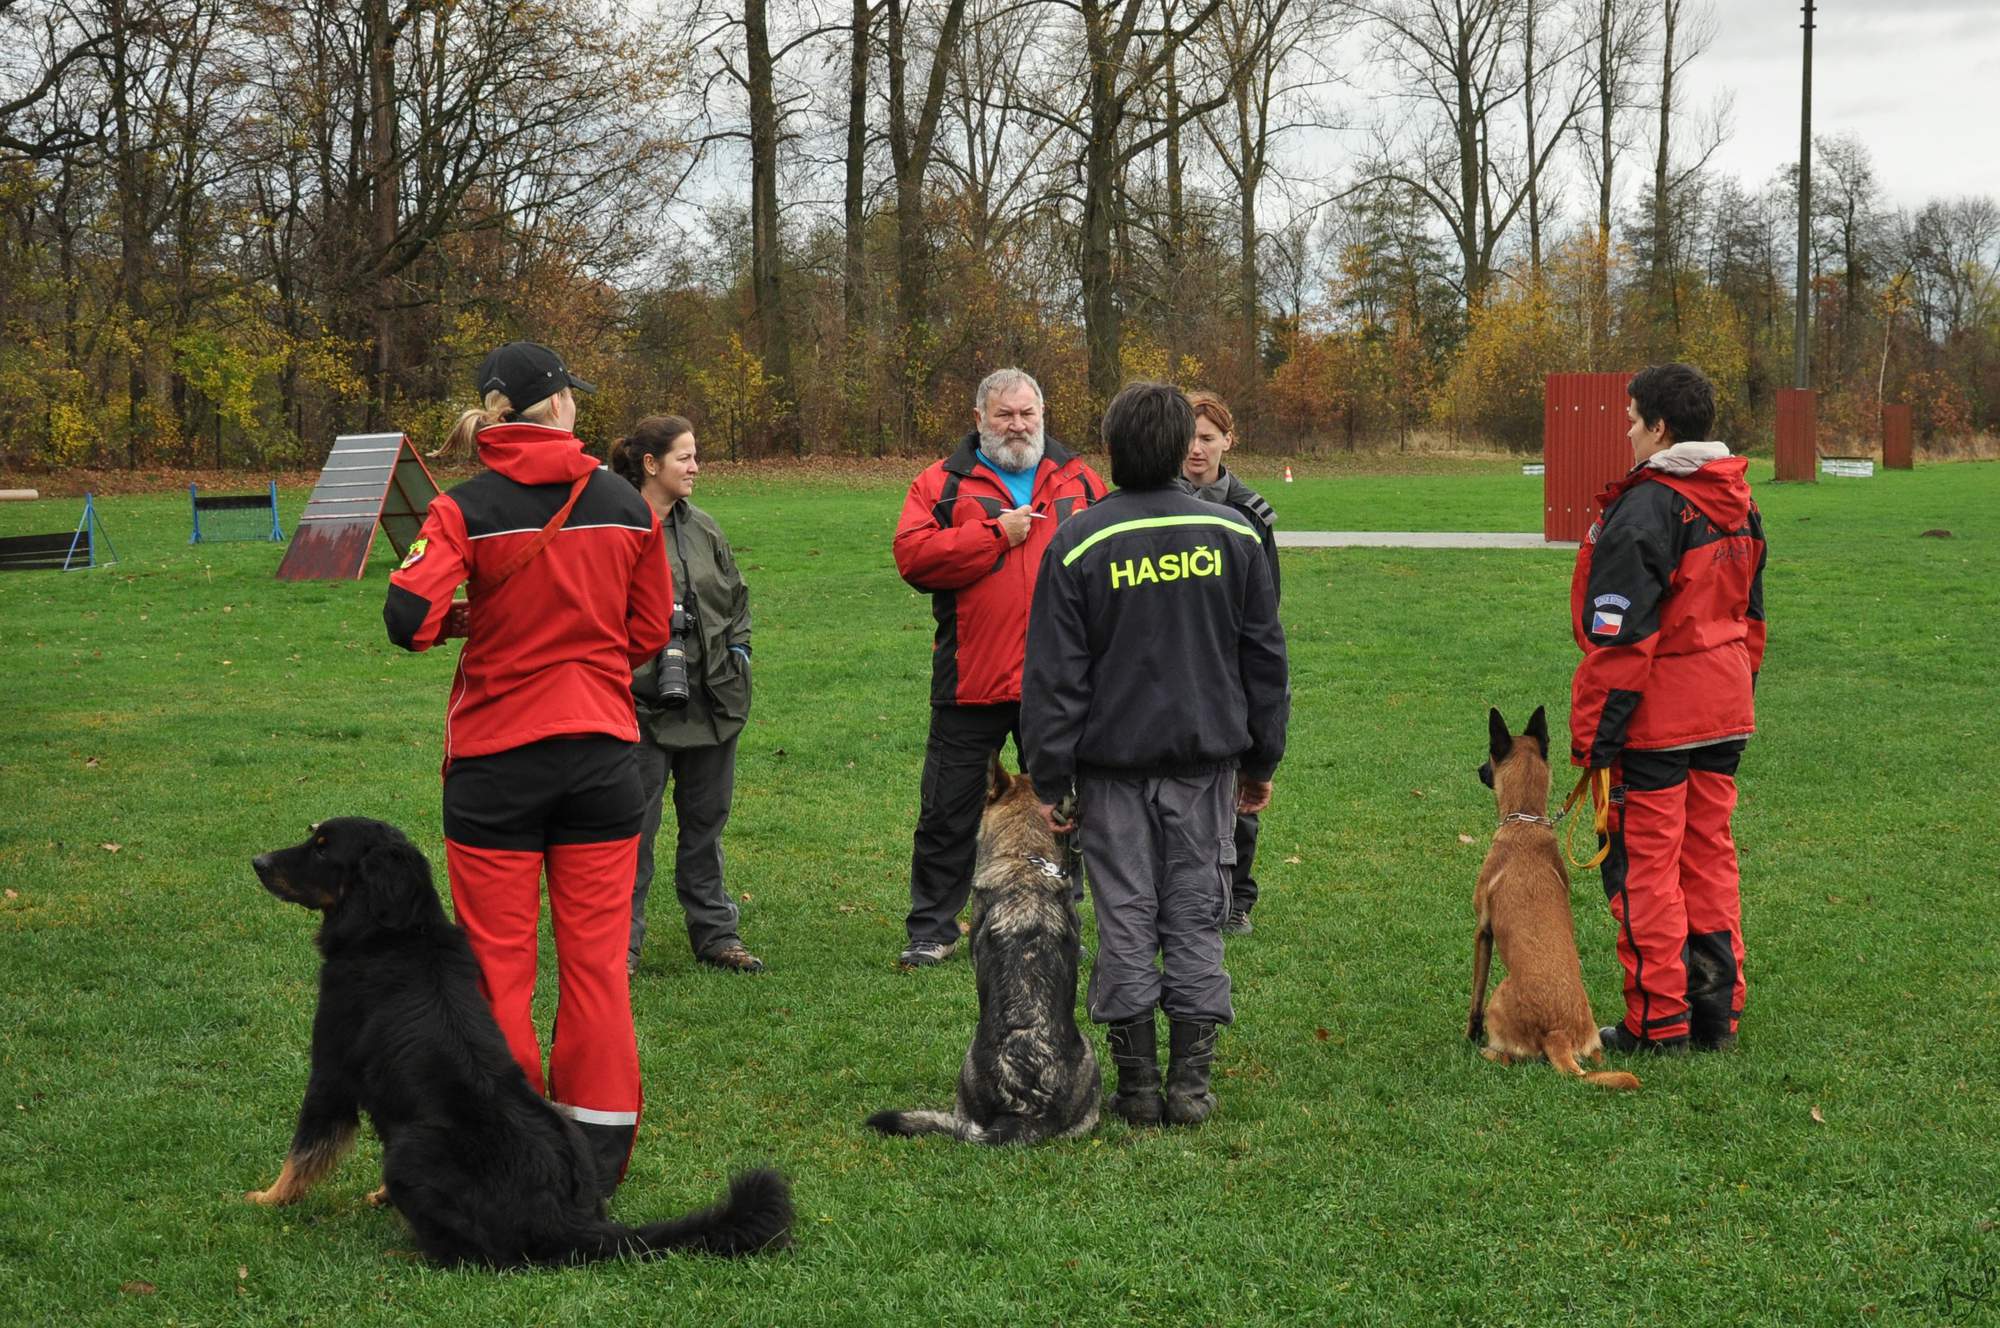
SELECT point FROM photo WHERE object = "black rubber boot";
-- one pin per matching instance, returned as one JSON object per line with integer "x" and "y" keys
{"x": 1619, "y": 1039}
{"x": 1711, "y": 969}
{"x": 1190, "y": 1051}
{"x": 610, "y": 1150}
{"x": 1135, "y": 1050}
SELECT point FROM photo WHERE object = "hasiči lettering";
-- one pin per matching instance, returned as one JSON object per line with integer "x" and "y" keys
{"x": 1170, "y": 567}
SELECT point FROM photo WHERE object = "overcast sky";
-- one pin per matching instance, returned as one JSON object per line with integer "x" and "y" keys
{"x": 1917, "y": 80}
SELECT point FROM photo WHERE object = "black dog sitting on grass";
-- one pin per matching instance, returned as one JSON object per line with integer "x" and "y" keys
{"x": 482, "y": 1167}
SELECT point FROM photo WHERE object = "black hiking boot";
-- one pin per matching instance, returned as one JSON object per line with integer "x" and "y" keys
{"x": 1622, "y": 1040}
{"x": 1190, "y": 1052}
{"x": 1135, "y": 1050}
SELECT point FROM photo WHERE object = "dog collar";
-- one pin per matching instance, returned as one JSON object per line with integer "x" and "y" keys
{"x": 1046, "y": 867}
{"x": 1528, "y": 818}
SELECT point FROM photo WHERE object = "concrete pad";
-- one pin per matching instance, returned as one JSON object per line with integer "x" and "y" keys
{"x": 1416, "y": 539}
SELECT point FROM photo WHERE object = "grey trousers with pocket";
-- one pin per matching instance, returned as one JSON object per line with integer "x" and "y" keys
{"x": 704, "y": 780}
{"x": 1158, "y": 854}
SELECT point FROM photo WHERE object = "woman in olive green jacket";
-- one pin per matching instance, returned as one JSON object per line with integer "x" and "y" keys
{"x": 693, "y": 698}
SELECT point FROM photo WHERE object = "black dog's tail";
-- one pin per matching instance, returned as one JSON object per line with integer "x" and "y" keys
{"x": 754, "y": 1217}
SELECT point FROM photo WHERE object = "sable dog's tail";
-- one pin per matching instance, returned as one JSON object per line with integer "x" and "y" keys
{"x": 909, "y": 1124}
{"x": 755, "y": 1216}
{"x": 1557, "y": 1047}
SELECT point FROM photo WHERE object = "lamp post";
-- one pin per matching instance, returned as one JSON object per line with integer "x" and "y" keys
{"x": 1802, "y": 317}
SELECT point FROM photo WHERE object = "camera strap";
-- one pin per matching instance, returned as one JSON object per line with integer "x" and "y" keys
{"x": 683, "y": 593}
{"x": 533, "y": 548}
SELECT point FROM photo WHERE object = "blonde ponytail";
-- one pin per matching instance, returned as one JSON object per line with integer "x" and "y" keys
{"x": 459, "y": 441}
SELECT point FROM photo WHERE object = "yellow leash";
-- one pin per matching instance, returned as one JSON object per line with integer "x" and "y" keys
{"x": 1600, "y": 800}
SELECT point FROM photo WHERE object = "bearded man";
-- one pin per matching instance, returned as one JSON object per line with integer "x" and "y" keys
{"x": 973, "y": 530}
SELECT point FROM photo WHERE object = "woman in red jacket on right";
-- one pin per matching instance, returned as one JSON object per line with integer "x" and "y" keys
{"x": 1667, "y": 602}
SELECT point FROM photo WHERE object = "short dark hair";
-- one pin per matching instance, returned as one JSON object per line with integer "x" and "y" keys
{"x": 1147, "y": 428}
{"x": 1678, "y": 394}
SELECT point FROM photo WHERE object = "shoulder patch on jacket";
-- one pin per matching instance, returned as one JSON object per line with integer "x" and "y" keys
{"x": 416, "y": 553}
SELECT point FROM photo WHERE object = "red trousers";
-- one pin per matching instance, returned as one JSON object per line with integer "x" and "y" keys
{"x": 1671, "y": 879}
{"x": 572, "y": 808}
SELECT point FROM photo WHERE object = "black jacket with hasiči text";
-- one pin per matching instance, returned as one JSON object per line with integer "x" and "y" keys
{"x": 1154, "y": 647}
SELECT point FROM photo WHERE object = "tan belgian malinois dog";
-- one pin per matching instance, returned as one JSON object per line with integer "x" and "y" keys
{"x": 1522, "y": 903}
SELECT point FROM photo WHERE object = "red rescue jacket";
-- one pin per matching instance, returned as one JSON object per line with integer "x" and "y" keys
{"x": 551, "y": 649}
{"x": 1667, "y": 603}
{"x": 949, "y": 544}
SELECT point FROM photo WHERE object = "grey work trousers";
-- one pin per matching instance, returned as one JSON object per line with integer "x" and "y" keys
{"x": 1158, "y": 854}
{"x": 704, "y": 780}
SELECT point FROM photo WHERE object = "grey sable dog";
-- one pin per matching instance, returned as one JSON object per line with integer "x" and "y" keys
{"x": 1029, "y": 1074}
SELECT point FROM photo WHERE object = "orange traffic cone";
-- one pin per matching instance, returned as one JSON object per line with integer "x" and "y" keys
{"x": 1288, "y": 474}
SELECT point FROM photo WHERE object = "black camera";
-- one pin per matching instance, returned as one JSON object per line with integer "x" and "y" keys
{"x": 670, "y": 670}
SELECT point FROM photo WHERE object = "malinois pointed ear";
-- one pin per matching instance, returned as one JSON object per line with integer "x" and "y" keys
{"x": 1538, "y": 729}
{"x": 997, "y": 779}
{"x": 1499, "y": 740}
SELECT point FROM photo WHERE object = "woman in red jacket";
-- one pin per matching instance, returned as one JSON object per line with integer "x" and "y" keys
{"x": 1667, "y": 603}
{"x": 569, "y": 589}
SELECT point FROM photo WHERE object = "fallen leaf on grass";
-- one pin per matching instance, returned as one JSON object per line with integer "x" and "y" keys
{"x": 242, "y": 1270}
{"x": 1465, "y": 839}
{"x": 139, "y": 1289}
{"x": 846, "y": 908}
{"x": 1294, "y": 860}
{"x": 111, "y": 848}
{"x": 90, "y": 763}
{"x": 1321, "y": 1035}
{"x": 1819, "y": 1119}
{"x": 13, "y": 894}
{"x": 1416, "y": 793}
{"x": 746, "y": 896}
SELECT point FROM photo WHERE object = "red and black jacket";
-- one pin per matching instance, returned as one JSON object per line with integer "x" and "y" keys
{"x": 950, "y": 545}
{"x": 1667, "y": 603}
{"x": 550, "y": 650}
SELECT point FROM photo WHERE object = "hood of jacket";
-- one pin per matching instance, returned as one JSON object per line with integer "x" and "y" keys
{"x": 1227, "y": 489}
{"x": 1703, "y": 472}
{"x": 534, "y": 453}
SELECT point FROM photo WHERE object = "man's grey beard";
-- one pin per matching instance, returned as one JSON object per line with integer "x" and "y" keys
{"x": 1016, "y": 457}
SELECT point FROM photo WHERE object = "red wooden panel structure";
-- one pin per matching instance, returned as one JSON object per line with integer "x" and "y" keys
{"x": 1798, "y": 435}
{"x": 1584, "y": 448}
{"x": 369, "y": 479}
{"x": 1896, "y": 454}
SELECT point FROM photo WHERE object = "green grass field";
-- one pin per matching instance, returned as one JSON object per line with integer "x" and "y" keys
{"x": 170, "y": 716}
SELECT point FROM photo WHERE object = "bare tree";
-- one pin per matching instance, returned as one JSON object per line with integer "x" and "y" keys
{"x": 1127, "y": 46}
{"x": 44, "y": 45}
{"x": 1614, "y": 40}
{"x": 913, "y": 133}
{"x": 1259, "y": 47}
{"x": 1553, "y": 99}
{"x": 766, "y": 256}
{"x": 1686, "y": 29}
{"x": 1453, "y": 60}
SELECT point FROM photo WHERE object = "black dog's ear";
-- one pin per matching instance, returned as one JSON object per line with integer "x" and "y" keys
{"x": 998, "y": 781}
{"x": 1538, "y": 729}
{"x": 394, "y": 880}
{"x": 1486, "y": 773}
{"x": 1498, "y": 740}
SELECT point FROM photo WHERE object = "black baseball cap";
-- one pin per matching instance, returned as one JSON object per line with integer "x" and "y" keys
{"x": 527, "y": 373}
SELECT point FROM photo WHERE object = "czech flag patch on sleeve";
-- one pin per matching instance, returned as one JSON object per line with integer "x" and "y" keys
{"x": 1608, "y": 615}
